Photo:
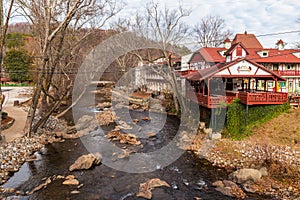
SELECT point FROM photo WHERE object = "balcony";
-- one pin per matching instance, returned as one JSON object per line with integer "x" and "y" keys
{"x": 247, "y": 98}
{"x": 263, "y": 98}
{"x": 288, "y": 73}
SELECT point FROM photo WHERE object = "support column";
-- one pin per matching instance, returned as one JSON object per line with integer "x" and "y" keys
{"x": 208, "y": 87}
{"x": 249, "y": 84}
{"x": 276, "y": 83}
{"x": 247, "y": 113}
{"x": 208, "y": 91}
{"x": 243, "y": 87}
{"x": 212, "y": 119}
{"x": 265, "y": 86}
{"x": 256, "y": 84}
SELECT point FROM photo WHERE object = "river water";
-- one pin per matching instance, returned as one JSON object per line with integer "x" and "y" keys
{"x": 188, "y": 176}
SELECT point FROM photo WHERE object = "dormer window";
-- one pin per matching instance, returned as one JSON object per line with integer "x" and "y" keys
{"x": 222, "y": 52}
{"x": 236, "y": 51}
{"x": 239, "y": 51}
{"x": 297, "y": 54}
{"x": 263, "y": 53}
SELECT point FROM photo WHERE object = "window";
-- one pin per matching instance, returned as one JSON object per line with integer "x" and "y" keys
{"x": 290, "y": 66}
{"x": 275, "y": 67}
{"x": 239, "y": 51}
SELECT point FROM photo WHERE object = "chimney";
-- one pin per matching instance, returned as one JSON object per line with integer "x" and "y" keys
{"x": 280, "y": 45}
{"x": 227, "y": 43}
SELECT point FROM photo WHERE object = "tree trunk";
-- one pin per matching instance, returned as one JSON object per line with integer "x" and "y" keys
{"x": 32, "y": 109}
{"x": 3, "y": 30}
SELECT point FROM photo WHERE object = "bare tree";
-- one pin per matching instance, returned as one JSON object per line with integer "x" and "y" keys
{"x": 61, "y": 30}
{"x": 165, "y": 27}
{"x": 211, "y": 31}
{"x": 3, "y": 31}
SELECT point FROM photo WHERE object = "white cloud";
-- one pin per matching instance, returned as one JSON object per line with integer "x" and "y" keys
{"x": 255, "y": 16}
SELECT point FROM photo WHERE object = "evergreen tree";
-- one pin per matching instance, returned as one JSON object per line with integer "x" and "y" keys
{"x": 17, "y": 63}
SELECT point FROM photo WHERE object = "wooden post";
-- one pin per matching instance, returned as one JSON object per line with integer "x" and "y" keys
{"x": 256, "y": 84}
{"x": 249, "y": 84}
{"x": 247, "y": 113}
{"x": 208, "y": 91}
{"x": 243, "y": 88}
{"x": 276, "y": 82}
{"x": 265, "y": 86}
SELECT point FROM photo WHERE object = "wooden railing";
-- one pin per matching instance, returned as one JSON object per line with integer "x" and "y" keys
{"x": 288, "y": 73}
{"x": 207, "y": 101}
{"x": 248, "y": 98}
{"x": 263, "y": 98}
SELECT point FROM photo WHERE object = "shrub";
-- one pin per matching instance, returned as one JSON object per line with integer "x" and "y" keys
{"x": 237, "y": 124}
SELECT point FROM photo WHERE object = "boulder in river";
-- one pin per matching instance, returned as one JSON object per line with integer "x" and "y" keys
{"x": 123, "y": 138}
{"x": 84, "y": 122}
{"x": 229, "y": 188}
{"x": 247, "y": 174}
{"x": 71, "y": 182}
{"x": 145, "y": 188}
{"x": 86, "y": 161}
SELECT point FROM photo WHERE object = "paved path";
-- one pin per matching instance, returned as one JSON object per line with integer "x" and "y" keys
{"x": 12, "y": 94}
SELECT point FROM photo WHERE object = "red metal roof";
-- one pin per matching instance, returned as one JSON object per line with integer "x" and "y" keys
{"x": 210, "y": 72}
{"x": 227, "y": 40}
{"x": 211, "y": 54}
{"x": 280, "y": 42}
{"x": 196, "y": 58}
{"x": 274, "y": 55}
{"x": 248, "y": 40}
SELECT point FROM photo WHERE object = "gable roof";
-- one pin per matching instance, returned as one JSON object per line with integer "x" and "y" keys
{"x": 211, "y": 54}
{"x": 231, "y": 49}
{"x": 248, "y": 40}
{"x": 274, "y": 55}
{"x": 210, "y": 72}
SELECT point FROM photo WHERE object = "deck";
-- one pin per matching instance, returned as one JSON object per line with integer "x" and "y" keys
{"x": 247, "y": 98}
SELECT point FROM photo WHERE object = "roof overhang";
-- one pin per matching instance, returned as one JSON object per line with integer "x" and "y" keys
{"x": 240, "y": 68}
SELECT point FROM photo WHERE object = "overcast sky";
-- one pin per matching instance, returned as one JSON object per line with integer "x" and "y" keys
{"x": 255, "y": 16}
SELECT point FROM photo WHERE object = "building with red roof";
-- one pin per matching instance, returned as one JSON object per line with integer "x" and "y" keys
{"x": 284, "y": 62}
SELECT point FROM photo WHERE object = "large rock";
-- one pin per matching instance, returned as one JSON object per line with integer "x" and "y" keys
{"x": 207, "y": 131}
{"x": 229, "y": 188}
{"x": 86, "y": 161}
{"x": 245, "y": 175}
{"x": 71, "y": 182}
{"x": 84, "y": 122}
{"x": 215, "y": 136}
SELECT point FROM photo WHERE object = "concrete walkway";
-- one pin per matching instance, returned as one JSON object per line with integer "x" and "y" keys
{"x": 16, "y": 130}
{"x": 12, "y": 94}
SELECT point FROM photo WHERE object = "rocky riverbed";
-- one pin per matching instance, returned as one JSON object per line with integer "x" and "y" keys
{"x": 282, "y": 164}
{"x": 15, "y": 153}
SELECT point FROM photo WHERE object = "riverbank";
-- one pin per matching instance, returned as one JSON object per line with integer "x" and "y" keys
{"x": 274, "y": 146}
{"x": 255, "y": 152}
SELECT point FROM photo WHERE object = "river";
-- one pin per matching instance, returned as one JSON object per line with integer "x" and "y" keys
{"x": 189, "y": 176}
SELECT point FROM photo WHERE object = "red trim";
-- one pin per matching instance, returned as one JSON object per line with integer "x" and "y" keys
{"x": 288, "y": 73}
{"x": 229, "y": 71}
{"x": 256, "y": 71}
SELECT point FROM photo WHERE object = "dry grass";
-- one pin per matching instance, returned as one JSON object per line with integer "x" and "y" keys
{"x": 283, "y": 130}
